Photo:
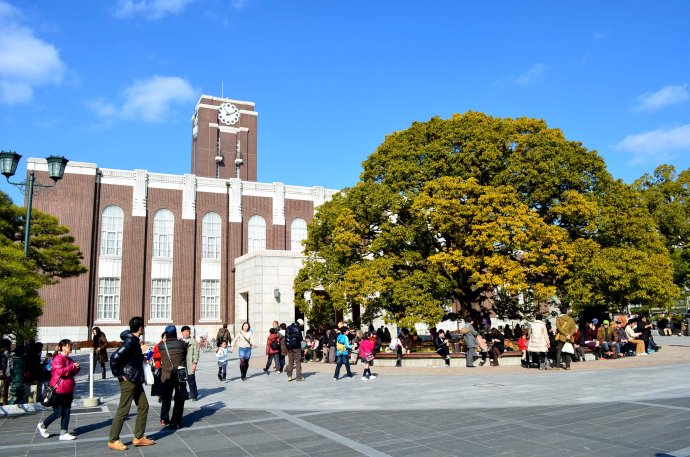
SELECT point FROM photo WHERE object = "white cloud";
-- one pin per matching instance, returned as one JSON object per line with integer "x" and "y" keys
{"x": 534, "y": 74}
{"x": 150, "y": 9}
{"x": 667, "y": 95}
{"x": 25, "y": 60}
{"x": 657, "y": 144}
{"x": 150, "y": 100}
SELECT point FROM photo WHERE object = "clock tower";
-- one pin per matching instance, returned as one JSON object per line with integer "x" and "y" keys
{"x": 224, "y": 138}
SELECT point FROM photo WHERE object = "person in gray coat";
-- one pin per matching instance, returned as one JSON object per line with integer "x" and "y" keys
{"x": 471, "y": 343}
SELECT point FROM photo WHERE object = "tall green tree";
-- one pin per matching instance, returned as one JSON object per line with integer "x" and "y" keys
{"x": 52, "y": 255}
{"x": 453, "y": 210}
{"x": 667, "y": 195}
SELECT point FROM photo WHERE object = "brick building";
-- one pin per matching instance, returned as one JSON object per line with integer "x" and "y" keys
{"x": 200, "y": 249}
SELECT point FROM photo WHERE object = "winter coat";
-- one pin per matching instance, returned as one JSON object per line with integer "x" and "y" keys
{"x": 366, "y": 347}
{"x": 539, "y": 337}
{"x": 565, "y": 325}
{"x": 269, "y": 340}
{"x": 471, "y": 338}
{"x": 175, "y": 356}
{"x": 293, "y": 337}
{"x": 223, "y": 335}
{"x": 193, "y": 353}
{"x": 342, "y": 339}
{"x": 63, "y": 367}
{"x": 128, "y": 360}
{"x": 100, "y": 346}
{"x": 601, "y": 334}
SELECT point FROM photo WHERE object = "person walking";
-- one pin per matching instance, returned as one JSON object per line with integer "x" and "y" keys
{"x": 565, "y": 332}
{"x": 223, "y": 335}
{"x": 223, "y": 354}
{"x": 539, "y": 341}
{"x": 100, "y": 346}
{"x": 471, "y": 343}
{"x": 366, "y": 353}
{"x": 293, "y": 343}
{"x": 126, "y": 364}
{"x": 244, "y": 342}
{"x": 272, "y": 350}
{"x": 63, "y": 371}
{"x": 173, "y": 355}
{"x": 283, "y": 349}
{"x": 342, "y": 353}
{"x": 193, "y": 352}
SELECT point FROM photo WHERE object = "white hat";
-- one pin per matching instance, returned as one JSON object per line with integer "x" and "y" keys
{"x": 300, "y": 321}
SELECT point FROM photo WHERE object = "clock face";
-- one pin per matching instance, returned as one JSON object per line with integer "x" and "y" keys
{"x": 228, "y": 114}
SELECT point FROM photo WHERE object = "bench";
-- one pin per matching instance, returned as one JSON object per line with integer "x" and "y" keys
{"x": 432, "y": 359}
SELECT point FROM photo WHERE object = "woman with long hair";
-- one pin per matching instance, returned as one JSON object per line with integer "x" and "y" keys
{"x": 244, "y": 342}
{"x": 100, "y": 346}
{"x": 63, "y": 370}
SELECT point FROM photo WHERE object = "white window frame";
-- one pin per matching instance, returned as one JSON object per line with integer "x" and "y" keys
{"x": 211, "y": 236}
{"x": 108, "y": 308}
{"x": 161, "y": 299}
{"x": 298, "y": 233}
{"x": 163, "y": 233}
{"x": 256, "y": 234}
{"x": 112, "y": 224}
{"x": 210, "y": 300}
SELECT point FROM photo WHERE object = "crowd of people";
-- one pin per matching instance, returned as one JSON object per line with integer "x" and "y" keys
{"x": 173, "y": 361}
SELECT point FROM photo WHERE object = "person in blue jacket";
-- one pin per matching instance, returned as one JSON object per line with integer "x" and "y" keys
{"x": 342, "y": 353}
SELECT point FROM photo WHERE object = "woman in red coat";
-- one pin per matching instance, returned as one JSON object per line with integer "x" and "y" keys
{"x": 63, "y": 370}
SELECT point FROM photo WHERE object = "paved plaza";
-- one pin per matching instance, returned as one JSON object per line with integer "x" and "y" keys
{"x": 635, "y": 407}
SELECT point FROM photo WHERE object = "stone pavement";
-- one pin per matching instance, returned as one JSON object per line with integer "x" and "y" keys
{"x": 636, "y": 407}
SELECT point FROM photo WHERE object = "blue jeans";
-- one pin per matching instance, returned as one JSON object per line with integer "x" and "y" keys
{"x": 62, "y": 408}
{"x": 342, "y": 359}
{"x": 608, "y": 346}
{"x": 244, "y": 353}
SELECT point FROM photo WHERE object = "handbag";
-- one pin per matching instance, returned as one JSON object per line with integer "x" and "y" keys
{"x": 49, "y": 394}
{"x": 148, "y": 374}
{"x": 568, "y": 348}
{"x": 370, "y": 357}
{"x": 181, "y": 371}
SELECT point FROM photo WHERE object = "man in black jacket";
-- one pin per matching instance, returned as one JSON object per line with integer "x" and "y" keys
{"x": 173, "y": 355}
{"x": 126, "y": 364}
{"x": 293, "y": 343}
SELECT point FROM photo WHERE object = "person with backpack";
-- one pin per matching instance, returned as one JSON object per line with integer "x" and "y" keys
{"x": 272, "y": 350}
{"x": 63, "y": 371}
{"x": 293, "y": 344}
{"x": 342, "y": 352}
{"x": 126, "y": 364}
{"x": 223, "y": 335}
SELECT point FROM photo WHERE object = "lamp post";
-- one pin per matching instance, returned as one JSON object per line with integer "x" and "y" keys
{"x": 8, "y": 166}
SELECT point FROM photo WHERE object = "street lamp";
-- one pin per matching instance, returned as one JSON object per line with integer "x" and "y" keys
{"x": 8, "y": 166}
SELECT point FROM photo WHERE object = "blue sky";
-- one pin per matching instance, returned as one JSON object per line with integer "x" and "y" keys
{"x": 116, "y": 82}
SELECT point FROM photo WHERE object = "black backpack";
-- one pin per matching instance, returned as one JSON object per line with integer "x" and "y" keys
{"x": 275, "y": 344}
{"x": 293, "y": 337}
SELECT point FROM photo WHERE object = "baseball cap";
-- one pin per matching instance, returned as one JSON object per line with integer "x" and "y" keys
{"x": 171, "y": 330}
{"x": 605, "y": 322}
{"x": 595, "y": 321}
{"x": 300, "y": 321}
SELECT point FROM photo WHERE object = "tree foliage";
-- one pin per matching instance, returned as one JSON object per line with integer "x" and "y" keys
{"x": 667, "y": 196}
{"x": 456, "y": 210}
{"x": 52, "y": 255}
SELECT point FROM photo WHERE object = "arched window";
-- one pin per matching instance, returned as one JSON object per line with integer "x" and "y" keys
{"x": 257, "y": 233}
{"x": 298, "y": 233}
{"x": 112, "y": 222}
{"x": 210, "y": 236}
{"x": 163, "y": 228}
